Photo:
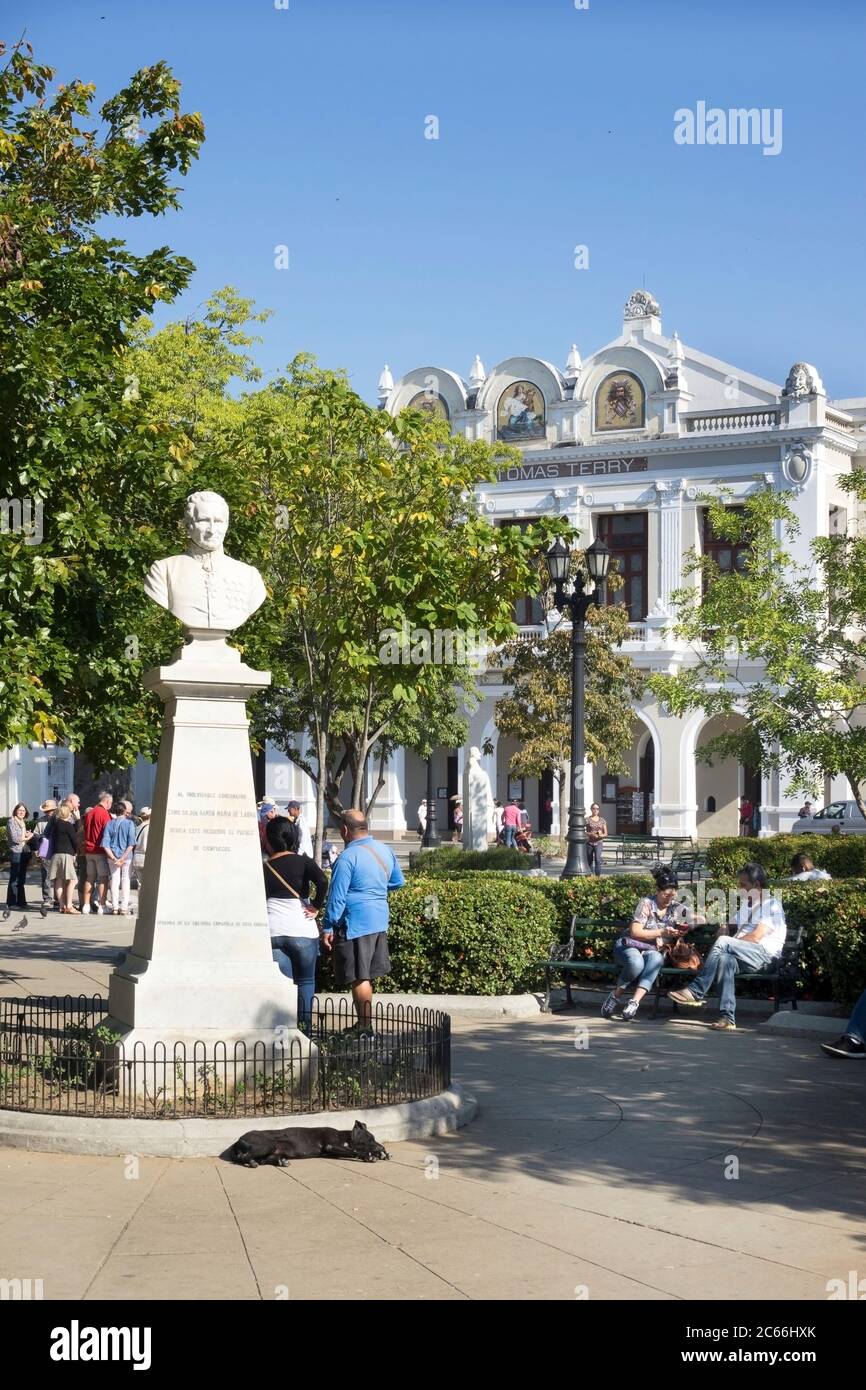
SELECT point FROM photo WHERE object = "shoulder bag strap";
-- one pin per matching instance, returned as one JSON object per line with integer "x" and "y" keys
{"x": 378, "y": 859}
{"x": 293, "y": 891}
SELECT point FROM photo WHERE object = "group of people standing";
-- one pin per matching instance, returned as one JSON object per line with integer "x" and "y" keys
{"x": 94, "y": 855}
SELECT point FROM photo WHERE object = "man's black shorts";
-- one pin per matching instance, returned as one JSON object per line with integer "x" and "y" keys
{"x": 364, "y": 958}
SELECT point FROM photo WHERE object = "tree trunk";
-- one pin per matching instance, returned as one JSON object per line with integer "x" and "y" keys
{"x": 321, "y": 753}
{"x": 857, "y": 792}
{"x": 380, "y": 782}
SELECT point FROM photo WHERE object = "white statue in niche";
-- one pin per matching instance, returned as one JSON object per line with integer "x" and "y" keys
{"x": 477, "y": 803}
{"x": 204, "y": 588}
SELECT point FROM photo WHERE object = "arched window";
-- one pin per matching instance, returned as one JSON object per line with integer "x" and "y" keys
{"x": 711, "y": 803}
{"x": 620, "y": 403}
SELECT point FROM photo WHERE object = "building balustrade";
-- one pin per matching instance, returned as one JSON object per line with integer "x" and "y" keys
{"x": 707, "y": 422}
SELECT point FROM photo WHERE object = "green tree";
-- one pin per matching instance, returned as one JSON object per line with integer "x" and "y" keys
{"x": 79, "y": 452}
{"x": 188, "y": 371}
{"x": 780, "y": 643}
{"x": 537, "y": 710}
{"x": 367, "y": 534}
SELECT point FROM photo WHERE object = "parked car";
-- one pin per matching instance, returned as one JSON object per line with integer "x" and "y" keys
{"x": 839, "y": 815}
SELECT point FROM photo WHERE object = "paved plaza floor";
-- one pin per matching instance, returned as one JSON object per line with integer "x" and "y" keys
{"x": 657, "y": 1160}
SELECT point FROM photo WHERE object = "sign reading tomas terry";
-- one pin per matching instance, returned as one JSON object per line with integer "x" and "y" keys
{"x": 571, "y": 468}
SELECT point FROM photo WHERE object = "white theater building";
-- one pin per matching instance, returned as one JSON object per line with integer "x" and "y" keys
{"x": 623, "y": 444}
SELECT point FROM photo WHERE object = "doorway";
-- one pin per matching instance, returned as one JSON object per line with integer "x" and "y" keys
{"x": 752, "y": 790}
{"x": 647, "y": 783}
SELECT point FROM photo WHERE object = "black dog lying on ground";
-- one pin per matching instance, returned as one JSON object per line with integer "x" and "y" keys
{"x": 277, "y": 1146}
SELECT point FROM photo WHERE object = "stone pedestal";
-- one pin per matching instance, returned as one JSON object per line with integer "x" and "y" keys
{"x": 200, "y": 968}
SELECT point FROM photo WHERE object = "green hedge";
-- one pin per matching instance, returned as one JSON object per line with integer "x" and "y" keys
{"x": 464, "y": 936}
{"x": 453, "y": 859}
{"x": 833, "y": 915}
{"x": 487, "y": 933}
{"x": 834, "y": 942}
{"x": 843, "y": 856}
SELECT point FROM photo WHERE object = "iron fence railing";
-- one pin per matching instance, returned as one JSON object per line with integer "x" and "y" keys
{"x": 57, "y": 1056}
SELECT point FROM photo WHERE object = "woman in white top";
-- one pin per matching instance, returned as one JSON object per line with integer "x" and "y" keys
{"x": 295, "y": 888}
{"x": 759, "y": 941}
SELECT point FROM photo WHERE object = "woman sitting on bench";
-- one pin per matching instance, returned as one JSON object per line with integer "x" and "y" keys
{"x": 639, "y": 950}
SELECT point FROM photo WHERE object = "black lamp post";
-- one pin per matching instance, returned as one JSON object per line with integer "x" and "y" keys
{"x": 577, "y": 604}
{"x": 430, "y": 839}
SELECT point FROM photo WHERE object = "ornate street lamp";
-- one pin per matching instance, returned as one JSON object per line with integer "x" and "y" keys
{"x": 430, "y": 838}
{"x": 577, "y": 604}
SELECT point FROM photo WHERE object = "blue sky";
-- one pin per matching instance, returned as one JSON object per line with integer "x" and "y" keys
{"x": 555, "y": 130}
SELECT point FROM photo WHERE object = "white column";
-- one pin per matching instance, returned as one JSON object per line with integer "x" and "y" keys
{"x": 13, "y": 777}
{"x": 674, "y": 805}
{"x": 670, "y": 542}
{"x": 391, "y": 802}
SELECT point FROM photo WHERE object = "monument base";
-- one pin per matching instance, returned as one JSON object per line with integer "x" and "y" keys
{"x": 200, "y": 974}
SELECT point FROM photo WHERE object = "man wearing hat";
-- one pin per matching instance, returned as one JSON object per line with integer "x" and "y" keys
{"x": 40, "y": 829}
{"x": 267, "y": 809}
{"x": 305, "y": 845}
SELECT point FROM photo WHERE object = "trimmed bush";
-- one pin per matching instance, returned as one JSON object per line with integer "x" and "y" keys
{"x": 613, "y": 897}
{"x": 843, "y": 856}
{"x": 466, "y": 936}
{"x": 487, "y": 933}
{"x": 834, "y": 940}
{"x": 453, "y": 859}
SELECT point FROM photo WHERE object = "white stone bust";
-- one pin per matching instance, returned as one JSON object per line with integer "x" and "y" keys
{"x": 204, "y": 588}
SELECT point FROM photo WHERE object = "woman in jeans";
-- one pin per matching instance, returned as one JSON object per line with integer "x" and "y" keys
{"x": 596, "y": 834}
{"x": 639, "y": 950}
{"x": 19, "y": 855}
{"x": 289, "y": 876}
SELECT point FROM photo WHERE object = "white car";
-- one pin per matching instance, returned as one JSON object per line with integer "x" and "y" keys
{"x": 839, "y": 815}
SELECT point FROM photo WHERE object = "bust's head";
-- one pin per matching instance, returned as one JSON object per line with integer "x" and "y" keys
{"x": 206, "y": 520}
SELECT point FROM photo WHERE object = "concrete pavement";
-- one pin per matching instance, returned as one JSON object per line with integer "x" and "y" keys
{"x": 610, "y": 1161}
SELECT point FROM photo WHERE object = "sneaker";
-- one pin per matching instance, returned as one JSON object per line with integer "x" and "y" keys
{"x": 724, "y": 1025}
{"x": 610, "y": 1005}
{"x": 845, "y": 1047}
{"x": 629, "y": 1013}
{"x": 86, "y": 907}
{"x": 685, "y": 996}
{"x": 98, "y": 909}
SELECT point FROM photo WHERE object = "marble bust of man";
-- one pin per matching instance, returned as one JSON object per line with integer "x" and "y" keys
{"x": 205, "y": 588}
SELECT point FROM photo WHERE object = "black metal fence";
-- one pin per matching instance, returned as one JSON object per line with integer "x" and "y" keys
{"x": 57, "y": 1056}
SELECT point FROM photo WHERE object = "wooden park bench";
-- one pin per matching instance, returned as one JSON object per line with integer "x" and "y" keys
{"x": 570, "y": 960}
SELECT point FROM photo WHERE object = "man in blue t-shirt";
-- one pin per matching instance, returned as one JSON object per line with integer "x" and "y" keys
{"x": 355, "y": 924}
